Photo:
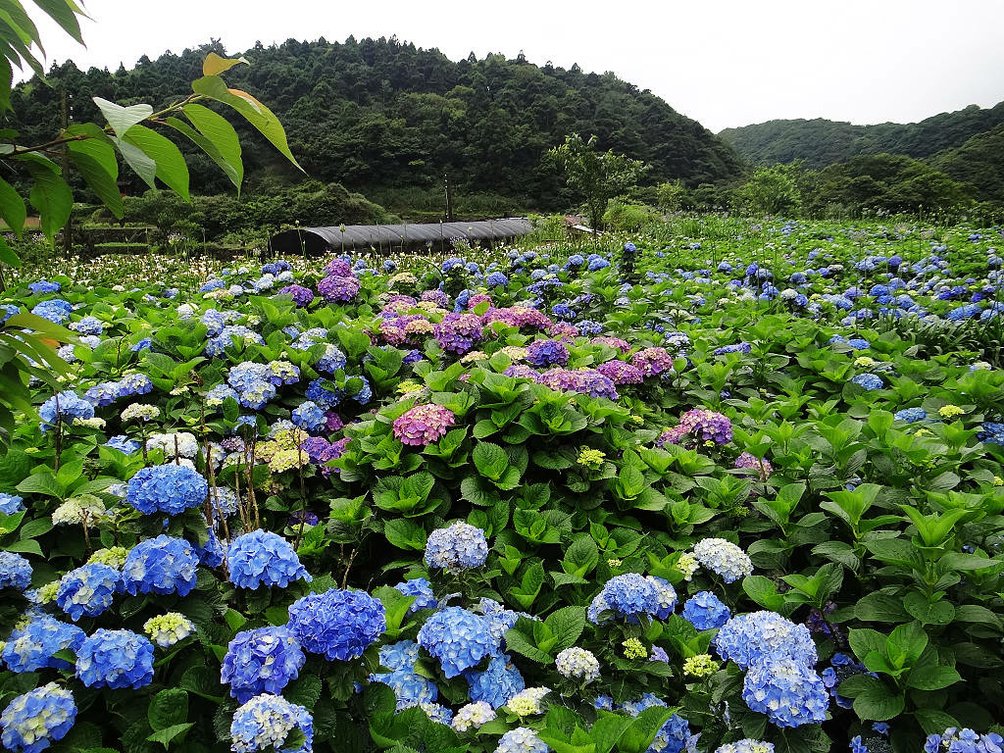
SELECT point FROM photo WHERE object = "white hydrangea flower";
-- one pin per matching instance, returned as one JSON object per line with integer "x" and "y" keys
{"x": 578, "y": 664}
{"x": 473, "y": 715}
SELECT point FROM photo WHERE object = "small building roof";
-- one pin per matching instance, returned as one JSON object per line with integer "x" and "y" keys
{"x": 317, "y": 239}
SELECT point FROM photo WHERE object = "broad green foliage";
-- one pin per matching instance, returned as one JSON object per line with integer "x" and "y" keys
{"x": 746, "y": 457}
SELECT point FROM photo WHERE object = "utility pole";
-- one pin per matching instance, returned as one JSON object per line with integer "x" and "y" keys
{"x": 449, "y": 198}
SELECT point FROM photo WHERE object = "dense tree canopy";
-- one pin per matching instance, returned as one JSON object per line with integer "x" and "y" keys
{"x": 373, "y": 114}
{"x": 821, "y": 142}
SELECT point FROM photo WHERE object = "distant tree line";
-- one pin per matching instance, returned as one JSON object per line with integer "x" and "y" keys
{"x": 375, "y": 115}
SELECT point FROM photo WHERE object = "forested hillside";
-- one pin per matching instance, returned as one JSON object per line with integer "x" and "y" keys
{"x": 978, "y": 162}
{"x": 377, "y": 115}
{"x": 822, "y": 142}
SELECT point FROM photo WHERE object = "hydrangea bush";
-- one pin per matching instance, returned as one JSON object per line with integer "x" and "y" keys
{"x": 744, "y": 497}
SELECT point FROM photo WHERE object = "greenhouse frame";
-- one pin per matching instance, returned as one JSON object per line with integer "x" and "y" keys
{"x": 317, "y": 240}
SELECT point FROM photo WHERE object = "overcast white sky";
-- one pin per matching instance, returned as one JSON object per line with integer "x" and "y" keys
{"x": 724, "y": 62}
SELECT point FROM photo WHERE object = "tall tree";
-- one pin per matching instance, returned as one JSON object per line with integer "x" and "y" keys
{"x": 597, "y": 176}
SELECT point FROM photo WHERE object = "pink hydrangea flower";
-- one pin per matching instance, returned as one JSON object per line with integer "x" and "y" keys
{"x": 423, "y": 424}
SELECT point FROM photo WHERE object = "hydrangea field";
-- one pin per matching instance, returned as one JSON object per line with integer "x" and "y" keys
{"x": 731, "y": 488}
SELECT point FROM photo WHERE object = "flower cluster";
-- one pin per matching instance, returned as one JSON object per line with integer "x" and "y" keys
{"x": 35, "y": 720}
{"x": 705, "y": 611}
{"x": 632, "y": 595}
{"x": 723, "y": 558}
{"x": 262, "y": 558}
{"x": 699, "y": 425}
{"x": 170, "y": 489}
{"x": 459, "y": 639}
{"x": 578, "y": 664}
{"x": 264, "y": 660}
{"x": 15, "y": 571}
{"x": 423, "y": 424}
{"x": 748, "y": 639}
{"x": 266, "y": 722}
{"x": 64, "y": 407}
{"x": 338, "y": 625}
{"x": 161, "y": 565}
{"x": 455, "y": 548}
{"x": 35, "y": 645}
{"x": 167, "y": 629}
{"x": 88, "y": 590}
{"x": 115, "y": 659}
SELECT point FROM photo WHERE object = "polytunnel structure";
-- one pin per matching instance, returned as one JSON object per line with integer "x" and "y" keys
{"x": 390, "y": 237}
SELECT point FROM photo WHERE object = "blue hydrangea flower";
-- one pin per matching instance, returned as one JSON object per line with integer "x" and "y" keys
{"x": 337, "y": 624}
{"x": 421, "y": 589}
{"x": 115, "y": 659}
{"x": 521, "y": 740}
{"x": 88, "y": 590}
{"x": 323, "y": 393}
{"x": 497, "y": 280}
{"x": 458, "y": 639}
{"x": 211, "y": 554}
{"x": 308, "y": 416}
{"x": 992, "y": 432}
{"x": 11, "y": 504}
{"x": 705, "y": 611}
{"x": 64, "y": 406}
{"x": 34, "y": 646}
{"x": 963, "y": 740}
{"x": 266, "y": 722}
{"x": 258, "y": 661}
{"x": 43, "y": 287}
{"x": 631, "y": 595}
{"x": 911, "y": 415}
{"x": 496, "y": 684}
{"x": 674, "y": 737}
{"x": 458, "y": 547}
{"x": 868, "y": 381}
{"x": 500, "y": 620}
{"x": 162, "y": 565}
{"x": 409, "y": 687}
{"x": 15, "y": 571}
{"x": 35, "y": 720}
{"x": 263, "y": 558}
{"x": 56, "y": 310}
{"x": 787, "y": 691}
{"x": 123, "y": 443}
{"x": 170, "y": 489}
{"x": 750, "y": 638}
{"x": 331, "y": 360}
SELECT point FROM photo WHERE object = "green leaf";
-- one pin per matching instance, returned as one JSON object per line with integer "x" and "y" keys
{"x": 932, "y": 677}
{"x": 8, "y": 255}
{"x": 169, "y": 708}
{"x": 490, "y": 460}
{"x": 405, "y": 534}
{"x": 567, "y": 625}
{"x": 171, "y": 168}
{"x": 120, "y": 118}
{"x": 214, "y": 65}
{"x": 167, "y": 735}
{"x": 43, "y": 482}
{"x": 94, "y": 157}
{"x": 138, "y": 160}
{"x": 12, "y": 208}
{"x": 253, "y": 111}
{"x": 641, "y": 733}
{"x": 64, "y": 13}
{"x": 50, "y": 195}
{"x": 216, "y": 137}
